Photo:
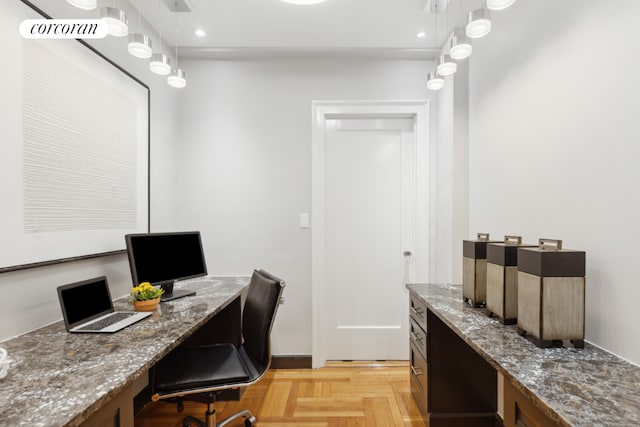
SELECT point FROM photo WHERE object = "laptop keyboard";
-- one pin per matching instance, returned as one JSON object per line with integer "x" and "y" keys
{"x": 107, "y": 321}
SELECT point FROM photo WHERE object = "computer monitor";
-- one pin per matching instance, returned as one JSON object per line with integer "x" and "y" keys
{"x": 163, "y": 258}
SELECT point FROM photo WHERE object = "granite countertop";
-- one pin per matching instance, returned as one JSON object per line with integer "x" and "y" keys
{"x": 60, "y": 379}
{"x": 574, "y": 387}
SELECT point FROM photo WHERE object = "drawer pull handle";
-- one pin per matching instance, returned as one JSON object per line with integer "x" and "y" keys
{"x": 417, "y": 312}
{"x": 416, "y": 337}
{"x": 416, "y": 372}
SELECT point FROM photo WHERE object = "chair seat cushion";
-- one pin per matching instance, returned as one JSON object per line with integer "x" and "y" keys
{"x": 200, "y": 366}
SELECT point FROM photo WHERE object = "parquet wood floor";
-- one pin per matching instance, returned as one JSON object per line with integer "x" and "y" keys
{"x": 343, "y": 394}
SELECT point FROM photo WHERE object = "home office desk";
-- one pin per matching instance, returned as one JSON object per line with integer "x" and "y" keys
{"x": 563, "y": 386}
{"x": 62, "y": 379}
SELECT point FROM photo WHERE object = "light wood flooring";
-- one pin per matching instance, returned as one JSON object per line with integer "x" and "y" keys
{"x": 343, "y": 394}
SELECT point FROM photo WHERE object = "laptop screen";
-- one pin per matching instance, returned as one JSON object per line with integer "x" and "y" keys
{"x": 84, "y": 300}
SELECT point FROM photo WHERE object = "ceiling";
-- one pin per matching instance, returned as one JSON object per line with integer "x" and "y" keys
{"x": 237, "y": 28}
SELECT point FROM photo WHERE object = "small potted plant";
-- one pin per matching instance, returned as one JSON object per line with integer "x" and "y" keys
{"x": 145, "y": 297}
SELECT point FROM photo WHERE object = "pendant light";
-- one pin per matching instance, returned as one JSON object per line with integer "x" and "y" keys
{"x": 434, "y": 81}
{"x": 116, "y": 19}
{"x": 84, "y": 4}
{"x": 478, "y": 23}
{"x": 178, "y": 77}
{"x": 460, "y": 45}
{"x": 160, "y": 63}
{"x": 139, "y": 43}
{"x": 446, "y": 66}
{"x": 499, "y": 4}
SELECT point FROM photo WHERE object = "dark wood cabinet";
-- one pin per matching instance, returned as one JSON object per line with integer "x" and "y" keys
{"x": 418, "y": 349}
{"x": 451, "y": 383}
{"x": 520, "y": 411}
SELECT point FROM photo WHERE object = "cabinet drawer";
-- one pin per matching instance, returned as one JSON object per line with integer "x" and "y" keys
{"x": 418, "y": 373}
{"x": 520, "y": 411}
{"x": 418, "y": 311}
{"x": 419, "y": 338}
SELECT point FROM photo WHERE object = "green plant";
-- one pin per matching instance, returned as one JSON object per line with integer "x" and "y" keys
{"x": 144, "y": 292}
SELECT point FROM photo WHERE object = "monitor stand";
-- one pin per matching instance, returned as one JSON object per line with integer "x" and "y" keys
{"x": 170, "y": 294}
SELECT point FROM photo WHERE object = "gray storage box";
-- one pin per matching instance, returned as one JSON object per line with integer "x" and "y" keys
{"x": 551, "y": 294}
{"x": 502, "y": 279}
{"x": 474, "y": 270}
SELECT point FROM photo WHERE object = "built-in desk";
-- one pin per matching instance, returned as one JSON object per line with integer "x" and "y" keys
{"x": 569, "y": 387}
{"x": 62, "y": 379}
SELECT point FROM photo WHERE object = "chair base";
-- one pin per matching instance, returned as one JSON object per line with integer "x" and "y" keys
{"x": 210, "y": 419}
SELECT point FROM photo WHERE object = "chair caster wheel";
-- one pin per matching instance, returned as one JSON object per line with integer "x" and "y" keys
{"x": 248, "y": 422}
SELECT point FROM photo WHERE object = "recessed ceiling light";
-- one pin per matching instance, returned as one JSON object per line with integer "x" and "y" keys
{"x": 421, "y": 35}
{"x": 304, "y": 2}
{"x": 200, "y": 33}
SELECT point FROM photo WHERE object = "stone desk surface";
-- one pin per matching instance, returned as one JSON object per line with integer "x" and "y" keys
{"x": 574, "y": 387}
{"x": 60, "y": 379}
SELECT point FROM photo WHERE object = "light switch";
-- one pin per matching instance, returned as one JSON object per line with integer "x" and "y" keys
{"x": 304, "y": 220}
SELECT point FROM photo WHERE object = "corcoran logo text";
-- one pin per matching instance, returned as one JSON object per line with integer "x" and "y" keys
{"x": 63, "y": 29}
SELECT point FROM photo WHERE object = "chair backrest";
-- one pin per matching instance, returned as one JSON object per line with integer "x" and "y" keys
{"x": 259, "y": 313}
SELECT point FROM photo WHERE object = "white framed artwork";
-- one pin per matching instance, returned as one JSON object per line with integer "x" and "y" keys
{"x": 74, "y": 157}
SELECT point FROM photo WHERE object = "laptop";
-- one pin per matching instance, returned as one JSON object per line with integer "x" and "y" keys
{"x": 87, "y": 308}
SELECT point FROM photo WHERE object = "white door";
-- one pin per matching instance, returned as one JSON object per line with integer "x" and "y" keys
{"x": 369, "y": 220}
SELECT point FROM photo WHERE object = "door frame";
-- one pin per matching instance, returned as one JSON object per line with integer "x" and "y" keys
{"x": 418, "y": 110}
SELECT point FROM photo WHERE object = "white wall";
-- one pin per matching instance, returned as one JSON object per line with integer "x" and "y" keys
{"x": 450, "y": 178}
{"x": 554, "y": 145}
{"x": 29, "y": 299}
{"x": 245, "y": 163}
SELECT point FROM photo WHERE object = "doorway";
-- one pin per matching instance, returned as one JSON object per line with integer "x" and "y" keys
{"x": 369, "y": 226}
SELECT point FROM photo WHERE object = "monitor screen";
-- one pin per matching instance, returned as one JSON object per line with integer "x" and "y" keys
{"x": 161, "y": 258}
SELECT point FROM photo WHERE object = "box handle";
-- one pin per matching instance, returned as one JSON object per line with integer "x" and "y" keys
{"x": 513, "y": 240}
{"x": 483, "y": 236}
{"x": 550, "y": 244}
